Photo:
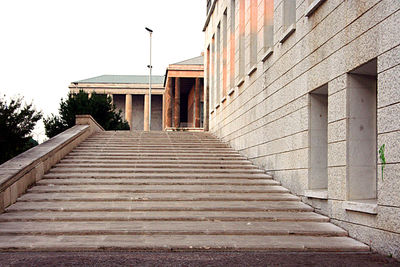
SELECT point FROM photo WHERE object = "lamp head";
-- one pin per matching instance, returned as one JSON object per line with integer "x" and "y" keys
{"x": 149, "y": 30}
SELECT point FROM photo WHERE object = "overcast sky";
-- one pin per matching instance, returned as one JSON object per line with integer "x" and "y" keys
{"x": 45, "y": 44}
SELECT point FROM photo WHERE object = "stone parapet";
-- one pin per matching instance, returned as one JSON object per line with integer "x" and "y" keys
{"x": 24, "y": 170}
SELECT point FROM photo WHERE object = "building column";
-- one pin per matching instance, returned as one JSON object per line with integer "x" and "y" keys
{"x": 168, "y": 104}
{"x": 197, "y": 103}
{"x": 128, "y": 109}
{"x": 177, "y": 104}
{"x": 146, "y": 113}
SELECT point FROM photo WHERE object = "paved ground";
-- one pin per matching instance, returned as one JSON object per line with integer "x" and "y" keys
{"x": 193, "y": 259}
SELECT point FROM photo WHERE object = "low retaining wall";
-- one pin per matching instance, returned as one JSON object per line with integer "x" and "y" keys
{"x": 20, "y": 172}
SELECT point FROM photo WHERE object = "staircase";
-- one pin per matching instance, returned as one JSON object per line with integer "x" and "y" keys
{"x": 163, "y": 191}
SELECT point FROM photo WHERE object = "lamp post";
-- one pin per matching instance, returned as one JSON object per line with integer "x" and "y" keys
{"x": 150, "y": 67}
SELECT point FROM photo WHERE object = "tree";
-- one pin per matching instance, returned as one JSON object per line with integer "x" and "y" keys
{"x": 99, "y": 106}
{"x": 16, "y": 124}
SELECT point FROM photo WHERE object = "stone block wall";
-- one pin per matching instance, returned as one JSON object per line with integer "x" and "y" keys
{"x": 267, "y": 112}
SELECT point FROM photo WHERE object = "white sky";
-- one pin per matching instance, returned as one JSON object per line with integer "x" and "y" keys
{"x": 46, "y": 44}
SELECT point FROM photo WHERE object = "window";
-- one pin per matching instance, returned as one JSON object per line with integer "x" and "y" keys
{"x": 224, "y": 52}
{"x": 362, "y": 144}
{"x": 318, "y": 138}
{"x": 268, "y": 31}
{"x": 242, "y": 10}
{"x": 218, "y": 66}
{"x": 232, "y": 44}
{"x": 253, "y": 35}
{"x": 289, "y": 18}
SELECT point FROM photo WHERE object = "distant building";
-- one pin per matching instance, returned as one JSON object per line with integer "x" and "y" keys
{"x": 180, "y": 106}
{"x": 309, "y": 91}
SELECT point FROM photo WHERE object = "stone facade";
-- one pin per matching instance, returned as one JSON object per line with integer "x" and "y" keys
{"x": 309, "y": 90}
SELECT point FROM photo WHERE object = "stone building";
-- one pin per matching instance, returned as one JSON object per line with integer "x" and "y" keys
{"x": 179, "y": 106}
{"x": 130, "y": 94}
{"x": 309, "y": 91}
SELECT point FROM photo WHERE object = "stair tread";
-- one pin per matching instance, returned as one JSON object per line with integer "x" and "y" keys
{"x": 163, "y": 215}
{"x": 181, "y": 242}
{"x": 177, "y": 227}
{"x": 155, "y": 196}
{"x": 161, "y": 205}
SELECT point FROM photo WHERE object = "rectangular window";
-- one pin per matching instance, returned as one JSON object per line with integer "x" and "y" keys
{"x": 288, "y": 19}
{"x": 218, "y": 65}
{"x": 253, "y": 33}
{"x": 242, "y": 10}
{"x": 362, "y": 144}
{"x": 318, "y": 134}
{"x": 232, "y": 44}
{"x": 212, "y": 75}
{"x": 268, "y": 24}
{"x": 224, "y": 51}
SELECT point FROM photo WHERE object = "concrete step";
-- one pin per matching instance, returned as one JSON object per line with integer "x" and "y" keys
{"x": 158, "y": 175}
{"x": 247, "y": 216}
{"x": 233, "y": 163}
{"x": 178, "y": 169}
{"x": 206, "y": 155}
{"x": 151, "y": 206}
{"x": 149, "y": 181}
{"x": 160, "y": 188}
{"x": 158, "y": 158}
{"x": 179, "y": 243}
{"x": 40, "y": 197}
{"x": 175, "y": 228}
{"x": 112, "y": 165}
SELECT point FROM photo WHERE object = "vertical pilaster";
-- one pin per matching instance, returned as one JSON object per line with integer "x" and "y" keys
{"x": 197, "y": 103}
{"x": 177, "y": 104}
{"x": 146, "y": 112}
{"x": 128, "y": 109}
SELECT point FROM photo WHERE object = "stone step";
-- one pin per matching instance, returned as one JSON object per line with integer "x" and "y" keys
{"x": 177, "y": 169}
{"x": 112, "y": 165}
{"x": 158, "y": 158}
{"x": 69, "y": 160}
{"x": 151, "y": 206}
{"x": 215, "y": 145}
{"x": 175, "y": 228}
{"x": 149, "y": 181}
{"x": 40, "y": 197}
{"x": 158, "y": 175}
{"x": 160, "y": 154}
{"x": 160, "y": 188}
{"x": 248, "y": 216}
{"x": 180, "y": 243}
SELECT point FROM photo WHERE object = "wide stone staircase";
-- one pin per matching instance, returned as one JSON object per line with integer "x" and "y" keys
{"x": 163, "y": 191}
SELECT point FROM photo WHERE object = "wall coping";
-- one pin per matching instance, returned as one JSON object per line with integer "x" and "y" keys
{"x": 47, "y": 153}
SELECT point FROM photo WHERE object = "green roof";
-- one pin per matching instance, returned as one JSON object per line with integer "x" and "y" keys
{"x": 132, "y": 79}
{"x": 192, "y": 61}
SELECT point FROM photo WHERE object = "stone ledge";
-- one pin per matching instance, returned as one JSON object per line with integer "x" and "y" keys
{"x": 267, "y": 54}
{"x": 316, "y": 193}
{"x": 312, "y": 7}
{"x": 287, "y": 33}
{"x": 252, "y": 70}
{"x": 241, "y": 81}
{"x": 366, "y": 206}
{"x": 20, "y": 172}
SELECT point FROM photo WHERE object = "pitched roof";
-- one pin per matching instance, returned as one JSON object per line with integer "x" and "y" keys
{"x": 132, "y": 79}
{"x": 192, "y": 61}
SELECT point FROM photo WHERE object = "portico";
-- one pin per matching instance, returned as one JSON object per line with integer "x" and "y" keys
{"x": 184, "y": 97}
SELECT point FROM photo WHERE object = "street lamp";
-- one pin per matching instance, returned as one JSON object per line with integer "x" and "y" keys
{"x": 150, "y": 67}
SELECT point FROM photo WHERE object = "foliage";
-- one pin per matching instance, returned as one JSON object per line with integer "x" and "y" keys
{"x": 382, "y": 157}
{"x": 99, "y": 106}
{"x": 16, "y": 124}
